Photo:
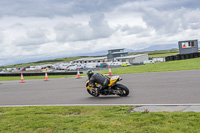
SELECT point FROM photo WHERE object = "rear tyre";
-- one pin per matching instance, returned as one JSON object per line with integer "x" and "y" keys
{"x": 123, "y": 90}
{"x": 93, "y": 92}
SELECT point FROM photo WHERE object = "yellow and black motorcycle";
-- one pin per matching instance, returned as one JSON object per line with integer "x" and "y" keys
{"x": 113, "y": 88}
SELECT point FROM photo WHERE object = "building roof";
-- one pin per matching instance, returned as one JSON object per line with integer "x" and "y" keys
{"x": 116, "y": 49}
{"x": 188, "y": 40}
{"x": 130, "y": 56}
{"x": 118, "y": 53}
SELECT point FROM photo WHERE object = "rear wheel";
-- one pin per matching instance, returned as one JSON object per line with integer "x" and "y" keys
{"x": 123, "y": 90}
{"x": 94, "y": 92}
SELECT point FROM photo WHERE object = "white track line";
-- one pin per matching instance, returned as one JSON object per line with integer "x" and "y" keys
{"x": 102, "y": 105}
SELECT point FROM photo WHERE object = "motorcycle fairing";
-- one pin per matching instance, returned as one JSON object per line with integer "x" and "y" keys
{"x": 87, "y": 85}
{"x": 113, "y": 79}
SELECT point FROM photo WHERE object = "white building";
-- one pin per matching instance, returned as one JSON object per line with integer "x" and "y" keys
{"x": 133, "y": 59}
{"x": 90, "y": 60}
{"x": 115, "y": 55}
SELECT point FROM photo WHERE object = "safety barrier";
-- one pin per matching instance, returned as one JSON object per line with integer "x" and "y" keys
{"x": 39, "y": 73}
{"x": 182, "y": 56}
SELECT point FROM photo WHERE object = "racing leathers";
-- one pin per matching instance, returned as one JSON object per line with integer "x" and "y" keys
{"x": 100, "y": 79}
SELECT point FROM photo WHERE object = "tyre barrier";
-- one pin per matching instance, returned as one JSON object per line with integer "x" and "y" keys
{"x": 39, "y": 73}
{"x": 182, "y": 56}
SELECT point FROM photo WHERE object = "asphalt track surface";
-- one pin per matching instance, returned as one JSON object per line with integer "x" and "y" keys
{"x": 175, "y": 87}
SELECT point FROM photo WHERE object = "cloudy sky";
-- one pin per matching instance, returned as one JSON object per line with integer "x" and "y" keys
{"x": 32, "y": 30}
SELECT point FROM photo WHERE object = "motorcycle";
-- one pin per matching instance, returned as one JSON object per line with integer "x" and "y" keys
{"x": 113, "y": 88}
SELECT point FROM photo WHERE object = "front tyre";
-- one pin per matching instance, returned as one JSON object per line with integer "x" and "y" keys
{"x": 123, "y": 90}
{"x": 93, "y": 92}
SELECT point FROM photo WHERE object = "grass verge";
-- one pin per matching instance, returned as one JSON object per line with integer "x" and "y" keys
{"x": 189, "y": 64}
{"x": 92, "y": 119}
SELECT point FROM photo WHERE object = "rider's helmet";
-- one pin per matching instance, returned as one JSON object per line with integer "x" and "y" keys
{"x": 89, "y": 73}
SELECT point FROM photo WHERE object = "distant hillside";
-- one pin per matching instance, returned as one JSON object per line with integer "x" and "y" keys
{"x": 155, "y": 48}
{"x": 150, "y": 48}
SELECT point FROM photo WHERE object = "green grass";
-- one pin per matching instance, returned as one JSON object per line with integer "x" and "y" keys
{"x": 6, "y": 78}
{"x": 94, "y": 119}
{"x": 162, "y": 55}
{"x": 189, "y": 64}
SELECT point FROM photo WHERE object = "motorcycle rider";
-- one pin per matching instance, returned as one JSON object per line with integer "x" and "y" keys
{"x": 97, "y": 78}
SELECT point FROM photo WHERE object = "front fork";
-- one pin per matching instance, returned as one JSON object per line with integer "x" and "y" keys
{"x": 96, "y": 90}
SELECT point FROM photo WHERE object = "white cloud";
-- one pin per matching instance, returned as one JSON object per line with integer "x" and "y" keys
{"x": 100, "y": 27}
{"x": 72, "y": 32}
{"x": 41, "y": 29}
{"x": 96, "y": 28}
{"x": 1, "y": 37}
{"x": 52, "y": 8}
{"x": 133, "y": 30}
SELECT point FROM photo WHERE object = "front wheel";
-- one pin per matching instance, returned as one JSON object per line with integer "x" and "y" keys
{"x": 123, "y": 90}
{"x": 93, "y": 92}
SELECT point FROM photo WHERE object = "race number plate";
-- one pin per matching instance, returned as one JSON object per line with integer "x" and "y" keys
{"x": 114, "y": 78}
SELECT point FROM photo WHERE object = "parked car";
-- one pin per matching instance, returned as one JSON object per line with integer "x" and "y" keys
{"x": 116, "y": 64}
{"x": 103, "y": 65}
{"x": 125, "y": 64}
{"x": 79, "y": 67}
{"x": 91, "y": 65}
{"x": 72, "y": 67}
{"x": 148, "y": 62}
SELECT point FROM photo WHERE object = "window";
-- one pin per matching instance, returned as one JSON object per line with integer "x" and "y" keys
{"x": 187, "y": 44}
{"x": 192, "y": 44}
{"x": 110, "y": 56}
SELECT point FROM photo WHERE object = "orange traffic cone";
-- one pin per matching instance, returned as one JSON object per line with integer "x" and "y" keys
{"x": 46, "y": 76}
{"x": 110, "y": 71}
{"x": 22, "y": 78}
{"x": 78, "y": 74}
